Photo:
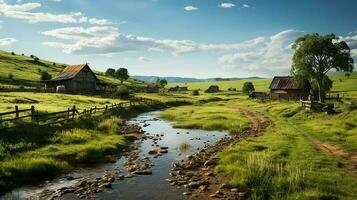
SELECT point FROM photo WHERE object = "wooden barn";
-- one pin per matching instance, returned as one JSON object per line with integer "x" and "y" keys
{"x": 75, "y": 78}
{"x": 286, "y": 88}
{"x": 212, "y": 89}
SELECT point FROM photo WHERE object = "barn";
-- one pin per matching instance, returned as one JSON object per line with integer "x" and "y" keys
{"x": 285, "y": 87}
{"x": 75, "y": 78}
{"x": 212, "y": 89}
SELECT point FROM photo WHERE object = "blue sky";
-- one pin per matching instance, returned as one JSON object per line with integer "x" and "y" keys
{"x": 190, "y": 38}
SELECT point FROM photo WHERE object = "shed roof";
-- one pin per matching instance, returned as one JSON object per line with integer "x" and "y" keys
{"x": 71, "y": 71}
{"x": 285, "y": 83}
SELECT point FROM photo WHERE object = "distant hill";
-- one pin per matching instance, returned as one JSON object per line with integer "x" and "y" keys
{"x": 152, "y": 79}
{"x": 26, "y": 71}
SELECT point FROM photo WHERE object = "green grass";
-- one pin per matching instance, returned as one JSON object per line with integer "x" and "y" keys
{"x": 284, "y": 163}
{"x": 50, "y": 102}
{"x": 29, "y": 152}
{"x": 207, "y": 118}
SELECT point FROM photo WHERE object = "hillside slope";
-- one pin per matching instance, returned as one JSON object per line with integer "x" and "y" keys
{"x": 26, "y": 71}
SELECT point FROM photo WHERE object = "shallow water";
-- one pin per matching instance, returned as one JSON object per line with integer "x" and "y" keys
{"x": 138, "y": 187}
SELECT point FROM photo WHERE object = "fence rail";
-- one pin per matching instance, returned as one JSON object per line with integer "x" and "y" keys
{"x": 70, "y": 114}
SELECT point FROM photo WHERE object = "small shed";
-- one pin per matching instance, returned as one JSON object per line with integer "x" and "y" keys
{"x": 285, "y": 87}
{"x": 152, "y": 88}
{"x": 75, "y": 78}
{"x": 212, "y": 89}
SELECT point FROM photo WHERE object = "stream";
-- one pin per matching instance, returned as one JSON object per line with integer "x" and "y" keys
{"x": 154, "y": 186}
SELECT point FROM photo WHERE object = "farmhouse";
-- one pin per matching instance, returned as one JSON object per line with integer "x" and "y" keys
{"x": 75, "y": 78}
{"x": 212, "y": 89}
{"x": 285, "y": 87}
{"x": 152, "y": 88}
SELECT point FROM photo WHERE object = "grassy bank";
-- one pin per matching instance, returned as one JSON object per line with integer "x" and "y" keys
{"x": 31, "y": 153}
{"x": 284, "y": 163}
{"x": 209, "y": 117}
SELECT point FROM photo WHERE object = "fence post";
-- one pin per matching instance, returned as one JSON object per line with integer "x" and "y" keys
{"x": 73, "y": 112}
{"x": 68, "y": 113}
{"x": 17, "y": 111}
{"x": 95, "y": 109}
{"x": 106, "y": 108}
{"x": 32, "y": 113}
{"x": 37, "y": 118}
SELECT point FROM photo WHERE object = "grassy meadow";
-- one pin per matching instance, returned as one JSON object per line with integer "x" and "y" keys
{"x": 341, "y": 84}
{"x": 285, "y": 162}
{"x": 50, "y": 102}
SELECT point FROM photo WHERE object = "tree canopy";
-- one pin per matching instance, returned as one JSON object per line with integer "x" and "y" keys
{"x": 161, "y": 82}
{"x": 122, "y": 74}
{"x": 45, "y": 76}
{"x": 248, "y": 87}
{"x": 110, "y": 72}
{"x": 316, "y": 55}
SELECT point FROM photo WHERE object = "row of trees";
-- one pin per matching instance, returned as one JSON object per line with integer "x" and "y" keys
{"x": 122, "y": 74}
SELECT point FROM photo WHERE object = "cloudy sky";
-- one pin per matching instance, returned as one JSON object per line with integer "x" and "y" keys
{"x": 190, "y": 38}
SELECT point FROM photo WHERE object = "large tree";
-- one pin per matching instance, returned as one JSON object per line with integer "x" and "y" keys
{"x": 315, "y": 55}
{"x": 110, "y": 72}
{"x": 122, "y": 74}
{"x": 161, "y": 82}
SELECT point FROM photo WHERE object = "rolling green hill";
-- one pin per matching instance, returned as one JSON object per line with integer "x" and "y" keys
{"x": 26, "y": 71}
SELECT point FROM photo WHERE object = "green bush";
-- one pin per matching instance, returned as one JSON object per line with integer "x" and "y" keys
{"x": 45, "y": 76}
{"x": 248, "y": 87}
{"x": 195, "y": 93}
{"x": 10, "y": 76}
{"x": 352, "y": 105}
{"x": 122, "y": 91}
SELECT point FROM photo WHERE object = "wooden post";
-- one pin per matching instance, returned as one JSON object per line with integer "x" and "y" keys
{"x": 68, "y": 113}
{"x": 95, "y": 109}
{"x": 17, "y": 111}
{"x": 32, "y": 113}
{"x": 73, "y": 112}
{"x": 37, "y": 118}
{"x": 106, "y": 108}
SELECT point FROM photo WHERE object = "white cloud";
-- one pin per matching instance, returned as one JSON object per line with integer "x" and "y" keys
{"x": 144, "y": 59}
{"x": 25, "y": 12}
{"x": 227, "y": 5}
{"x": 190, "y": 8}
{"x": 272, "y": 55}
{"x": 245, "y": 6}
{"x": 108, "y": 39}
{"x": 7, "y": 41}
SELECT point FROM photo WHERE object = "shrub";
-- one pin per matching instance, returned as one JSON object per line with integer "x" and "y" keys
{"x": 110, "y": 72}
{"x": 248, "y": 87}
{"x": 32, "y": 56}
{"x": 13, "y": 53}
{"x": 10, "y": 76}
{"x": 352, "y": 105}
{"x": 45, "y": 76}
{"x": 36, "y": 59}
{"x": 122, "y": 91}
{"x": 39, "y": 70}
{"x": 54, "y": 64}
{"x": 23, "y": 54}
{"x": 195, "y": 93}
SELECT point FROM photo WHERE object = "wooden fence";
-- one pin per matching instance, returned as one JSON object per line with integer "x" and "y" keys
{"x": 70, "y": 114}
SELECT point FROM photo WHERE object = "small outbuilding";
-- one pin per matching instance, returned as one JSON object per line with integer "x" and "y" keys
{"x": 152, "y": 88}
{"x": 74, "y": 78}
{"x": 212, "y": 89}
{"x": 286, "y": 88}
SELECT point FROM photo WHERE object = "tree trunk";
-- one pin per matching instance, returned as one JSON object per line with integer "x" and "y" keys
{"x": 319, "y": 85}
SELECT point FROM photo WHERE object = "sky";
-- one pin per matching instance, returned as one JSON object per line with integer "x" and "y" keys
{"x": 187, "y": 38}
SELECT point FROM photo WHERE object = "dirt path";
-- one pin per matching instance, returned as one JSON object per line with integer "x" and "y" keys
{"x": 334, "y": 150}
{"x": 198, "y": 170}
